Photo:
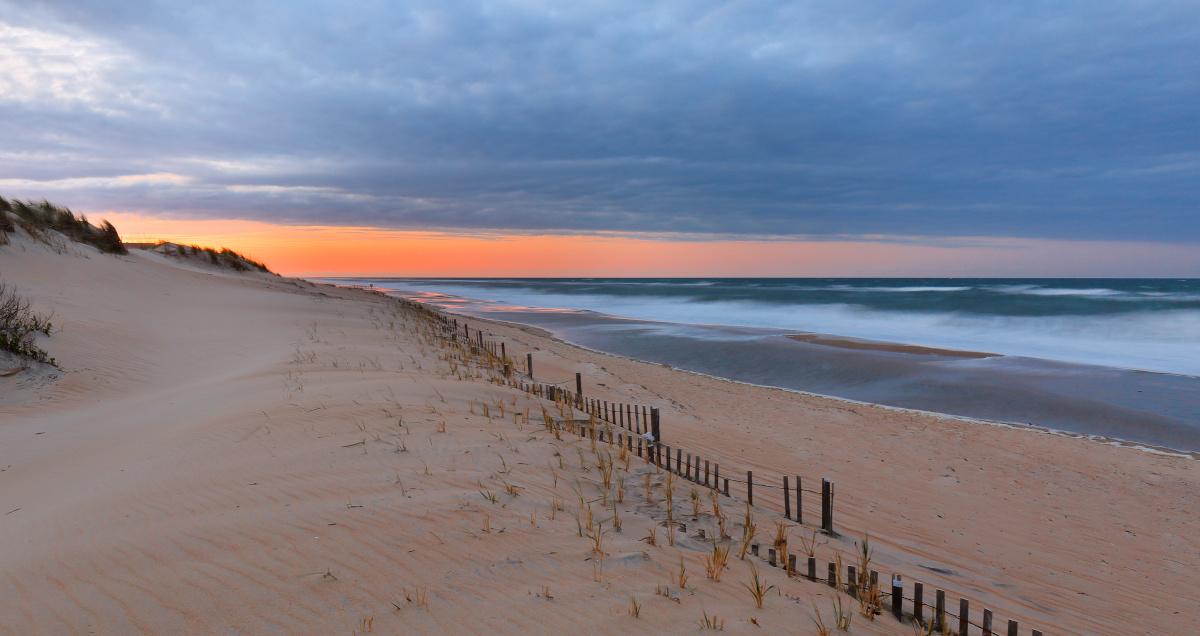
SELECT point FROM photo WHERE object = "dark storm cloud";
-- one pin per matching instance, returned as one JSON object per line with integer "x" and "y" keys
{"x": 820, "y": 119}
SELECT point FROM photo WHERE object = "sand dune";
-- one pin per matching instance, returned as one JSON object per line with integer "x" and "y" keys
{"x": 241, "y": 453}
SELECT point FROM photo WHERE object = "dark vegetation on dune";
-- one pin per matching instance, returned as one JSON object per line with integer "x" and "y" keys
{"x": 20, "y": 324}
{"x": 36, "y": 218}
{"x": 222, "y": 258}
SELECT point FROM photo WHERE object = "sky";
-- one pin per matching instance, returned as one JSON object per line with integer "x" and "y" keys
{"x": 606, "y": 138}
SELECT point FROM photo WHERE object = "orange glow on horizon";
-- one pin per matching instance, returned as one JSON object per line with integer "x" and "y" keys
{"x": 316, "y": 251}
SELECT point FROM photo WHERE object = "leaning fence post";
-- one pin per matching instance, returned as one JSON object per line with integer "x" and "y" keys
{"x": 787, "y": 499}
{"x": 964, "y": 616}
{"x": 750, "y": 487}
{"x": 897, "y": 597}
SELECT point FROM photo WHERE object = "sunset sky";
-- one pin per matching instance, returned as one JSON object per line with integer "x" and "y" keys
{"x": 609, "y": 138}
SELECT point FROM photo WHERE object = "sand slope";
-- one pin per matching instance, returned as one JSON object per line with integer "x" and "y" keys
{"x": 247, "y": 454}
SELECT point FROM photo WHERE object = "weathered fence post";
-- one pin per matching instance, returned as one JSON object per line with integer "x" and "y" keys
{"x": 1013, "y": 628}
{"x": 851, "y": 580}
{"x": 787, "y": 499}
{"x": 706, "y": 473}
{"x": 655, "y": 425}
{"x": 579, "y": 385}
{"x": 726, "y": 486}
{"x": 897, "y": 597}
{"x": 503, "y": 352}
{"x": 716, "y": 475}
{"x": 750, "y": 487}
{"x": 832, "y": 576}
{"x": 919, "y": 602}
{"x": 678, "y": 464}
{"x": 771, "y": 556}
{"x": 812, "y": 568}
{"x": 964, "y": 614}
{"x": 987, "y": 622}
{"x": 799, "y": 503}
{"x": 529, "y": 365}
{"x": 826, "y": 506}
{"x": 939, "y": 610}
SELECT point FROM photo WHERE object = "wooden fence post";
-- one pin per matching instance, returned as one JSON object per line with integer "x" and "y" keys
{"x": 579, "y": 385}
{"x": 726, "y": 486}
{"x": 987, "y": 622}
{"x": 939, "y": 609}
{"x": 529, "y": 365}
{"x": 655, "y": 424}
{"x": 787, "y": 499}
{"x": 750, "y": 487}
{"x": 919, "y": 602}
{"x": 964, "y": 614}
{"x": 832, "y": 575}
{"x": 799, "y": 502}
{"x": 706, "y": 472}
{"x": 678, "y": 464}
{"x": 812, "y": 568}
{"x": 826, "y": 506}
{"x": 1013, "y": 628}
{"x": 851, "y": 580}
{"x": 716, "y": 475}
{"x": 503, "y": 352}
{"x": 897, "y": 597}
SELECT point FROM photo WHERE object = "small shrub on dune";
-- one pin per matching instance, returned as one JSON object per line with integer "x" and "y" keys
{"x": 19, "y": 325}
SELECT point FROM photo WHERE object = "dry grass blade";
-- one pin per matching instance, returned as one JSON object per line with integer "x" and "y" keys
{"x": 757, "y": 589}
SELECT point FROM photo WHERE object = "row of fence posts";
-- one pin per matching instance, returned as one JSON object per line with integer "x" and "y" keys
{"x": 636, "y": 421}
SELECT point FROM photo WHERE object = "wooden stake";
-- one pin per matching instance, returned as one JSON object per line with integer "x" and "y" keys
{"x": 897, "y": 597}
{"x": 787, "y": 499}
{"x": 987, "y": 622}
{"x": 919, "y": 602}
{"x": 750, "y": 487}
{"x": 964, "y": 616}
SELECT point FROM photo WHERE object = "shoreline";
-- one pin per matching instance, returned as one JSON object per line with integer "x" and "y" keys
{"x": 1124, "y": 406}
{"x": 1099, "y": 439}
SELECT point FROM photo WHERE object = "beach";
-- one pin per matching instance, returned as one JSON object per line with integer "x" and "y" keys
{"x": 242, "y": 453}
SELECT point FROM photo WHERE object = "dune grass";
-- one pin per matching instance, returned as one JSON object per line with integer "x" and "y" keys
{"x": 37, "y": 218}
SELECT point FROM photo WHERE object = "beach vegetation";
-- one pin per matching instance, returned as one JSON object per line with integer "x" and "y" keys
{"x": 20, "y": 325}
{"x": 38, "y": 218}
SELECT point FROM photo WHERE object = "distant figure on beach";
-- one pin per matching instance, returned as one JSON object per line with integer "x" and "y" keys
{"x": 649, "y": 437}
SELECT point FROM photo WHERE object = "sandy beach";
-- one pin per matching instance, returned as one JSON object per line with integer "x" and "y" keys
{"x": 242, "y": 453}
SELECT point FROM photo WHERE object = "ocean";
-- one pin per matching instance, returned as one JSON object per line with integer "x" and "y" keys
{"x": 1113, "y": 357}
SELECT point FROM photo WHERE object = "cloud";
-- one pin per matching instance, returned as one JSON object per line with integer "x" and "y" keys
{"x": 820, "y": 119}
